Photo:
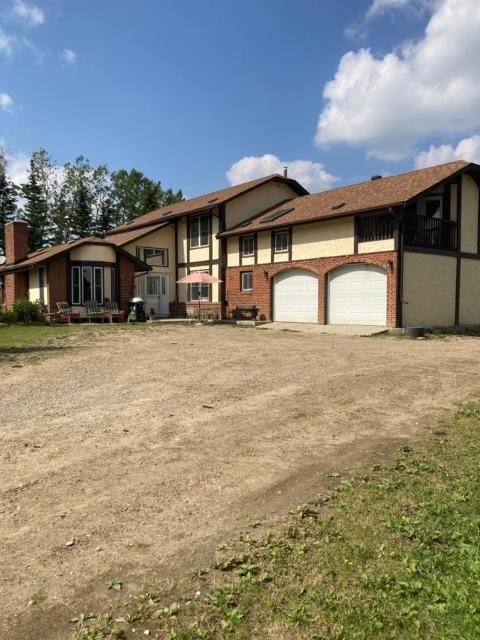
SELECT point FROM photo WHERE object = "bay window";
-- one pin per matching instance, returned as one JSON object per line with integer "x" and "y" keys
{"x": 90, "y": 282}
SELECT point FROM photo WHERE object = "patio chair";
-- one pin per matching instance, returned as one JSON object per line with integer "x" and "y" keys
{"x": 94, "y": 311}
{"x": 192, "y": 314}
{"x": 113, "y": 311}
{"x": 65, "y": 313}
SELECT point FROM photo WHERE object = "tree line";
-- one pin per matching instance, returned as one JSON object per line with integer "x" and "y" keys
{"x": 62, "y": 203}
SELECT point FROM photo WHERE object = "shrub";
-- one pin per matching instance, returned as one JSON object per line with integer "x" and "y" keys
{"x": 8, "y": 317}
{"x": 26, "y": 311}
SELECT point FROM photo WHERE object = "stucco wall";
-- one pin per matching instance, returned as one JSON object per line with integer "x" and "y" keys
{"x": 182, "y": 239}
{"x": 429, "y": 289}
{"x": 264, "y": 244}
{"x": 34, "y": 285}
{"x": 93, "y": 253}
{"x": 376, "y": 245}
{"x": 469, "y": 215}
{"x": 323, "y": 239}
{"x": 233, "y": 256}
{"x": 256, "y": 201}
{"x": 453, "y": 202}
{"x": 161, "y": 239}
{"x": 470, "y": 292}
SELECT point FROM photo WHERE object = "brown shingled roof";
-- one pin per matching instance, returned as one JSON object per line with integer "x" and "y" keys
{"x": 356, "y": 198}
{"x": 43, "y": 255}
{"x": 123, "y": 238}
{"x": 205, "y": 202}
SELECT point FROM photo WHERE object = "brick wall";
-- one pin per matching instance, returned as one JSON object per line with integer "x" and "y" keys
{"x": 125, "y": 275}
{"x": 263, "y": 275}
{"x": 16, "y": 287}
{"x": 57, "y": 280}
{"x": 16, "y": 241}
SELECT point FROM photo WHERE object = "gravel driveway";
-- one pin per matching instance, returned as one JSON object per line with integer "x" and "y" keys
{"x": 148, "y": 448}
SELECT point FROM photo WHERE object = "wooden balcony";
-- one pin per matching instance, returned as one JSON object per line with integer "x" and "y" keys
{"x": 431, "y": 233}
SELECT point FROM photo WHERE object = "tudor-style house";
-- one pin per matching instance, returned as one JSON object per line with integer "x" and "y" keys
{"x": 390, "y": 251}
{"x": 183, "y": 238}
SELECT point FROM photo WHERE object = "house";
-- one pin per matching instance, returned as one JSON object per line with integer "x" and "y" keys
{"x": 390, "y": 251}
{"x": 182, "y": 238}
{"x": 79, "y": 271}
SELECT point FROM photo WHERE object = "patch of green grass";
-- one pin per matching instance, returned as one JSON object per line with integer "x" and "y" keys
{"x": 17, "y": 337}
{"x": 392, "y": 554}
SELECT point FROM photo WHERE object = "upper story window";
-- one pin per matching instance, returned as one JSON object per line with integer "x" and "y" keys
{"x": 433, "y": 207}
{"x": 371, "y": 228}
{"x": 281, "y": 241}
{"x": 248, "y": 246}
{"x": 153, "y": 256}
{"x": 199, "y": 231}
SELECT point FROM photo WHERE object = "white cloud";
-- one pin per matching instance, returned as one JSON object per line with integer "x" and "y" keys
{"x": 6, "y": 103}
{"x": 379, "y": 7}
{"x": 17, "y": 164}
{"x": 389, "y": 104}
{"x": 466, "y": 149}
{"x": 68, "y": 56}
{"x": 7, "y": 42}
{"x": 28, "y": 14}
{"x": 312, "y": 175}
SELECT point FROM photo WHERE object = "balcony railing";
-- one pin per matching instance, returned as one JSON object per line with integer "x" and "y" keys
{"x": 432, "y": 233}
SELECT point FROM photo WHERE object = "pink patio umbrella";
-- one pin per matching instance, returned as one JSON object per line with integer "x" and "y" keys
{"x": 199, "y": 277}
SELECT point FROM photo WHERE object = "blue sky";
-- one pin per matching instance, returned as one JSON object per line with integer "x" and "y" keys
{"x": 203, "y": 93}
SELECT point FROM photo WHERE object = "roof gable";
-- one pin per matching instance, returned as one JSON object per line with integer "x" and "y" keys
{"x": 44, "y": 255}
{"x": 204, "y": 202}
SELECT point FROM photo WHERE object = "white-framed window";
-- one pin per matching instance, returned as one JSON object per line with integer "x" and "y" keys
{"x": 248, "y": 246}
{"x": 199, "y": 292}
{"x": 154, "y": 256}
{"x": 98, "y": 284}
{"x": 87, "y": 288}
{"x": 246, "y": 280}
{"x": 199, "y": 231}
{"x": 281, "y": 241}
{"x": 76, "y": 286}
{"x": 87, "y": 283}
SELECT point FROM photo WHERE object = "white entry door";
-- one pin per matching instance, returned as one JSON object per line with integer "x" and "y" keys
{"x": 295, "y": 296}
{"x": 357, "y": 294}
{"x": 155, "y": 293}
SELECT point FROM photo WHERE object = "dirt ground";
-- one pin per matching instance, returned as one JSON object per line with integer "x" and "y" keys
{"x": 148, "y": 448}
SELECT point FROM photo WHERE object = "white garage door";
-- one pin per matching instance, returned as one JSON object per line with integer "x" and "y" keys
{"x": 357, "y": 294}
{"x": 295, "y": 296}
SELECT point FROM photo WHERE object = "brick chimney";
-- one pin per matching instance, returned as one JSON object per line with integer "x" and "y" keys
{"x": 16, "y": 240}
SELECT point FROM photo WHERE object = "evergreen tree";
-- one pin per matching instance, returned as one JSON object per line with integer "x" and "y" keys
{"x": 105, "y": 219}
{"x": 82, "y": 211}
{"x": 60, "y": 218}
{"x": 8, "y": 205}
{"x": 36, "y": 209}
